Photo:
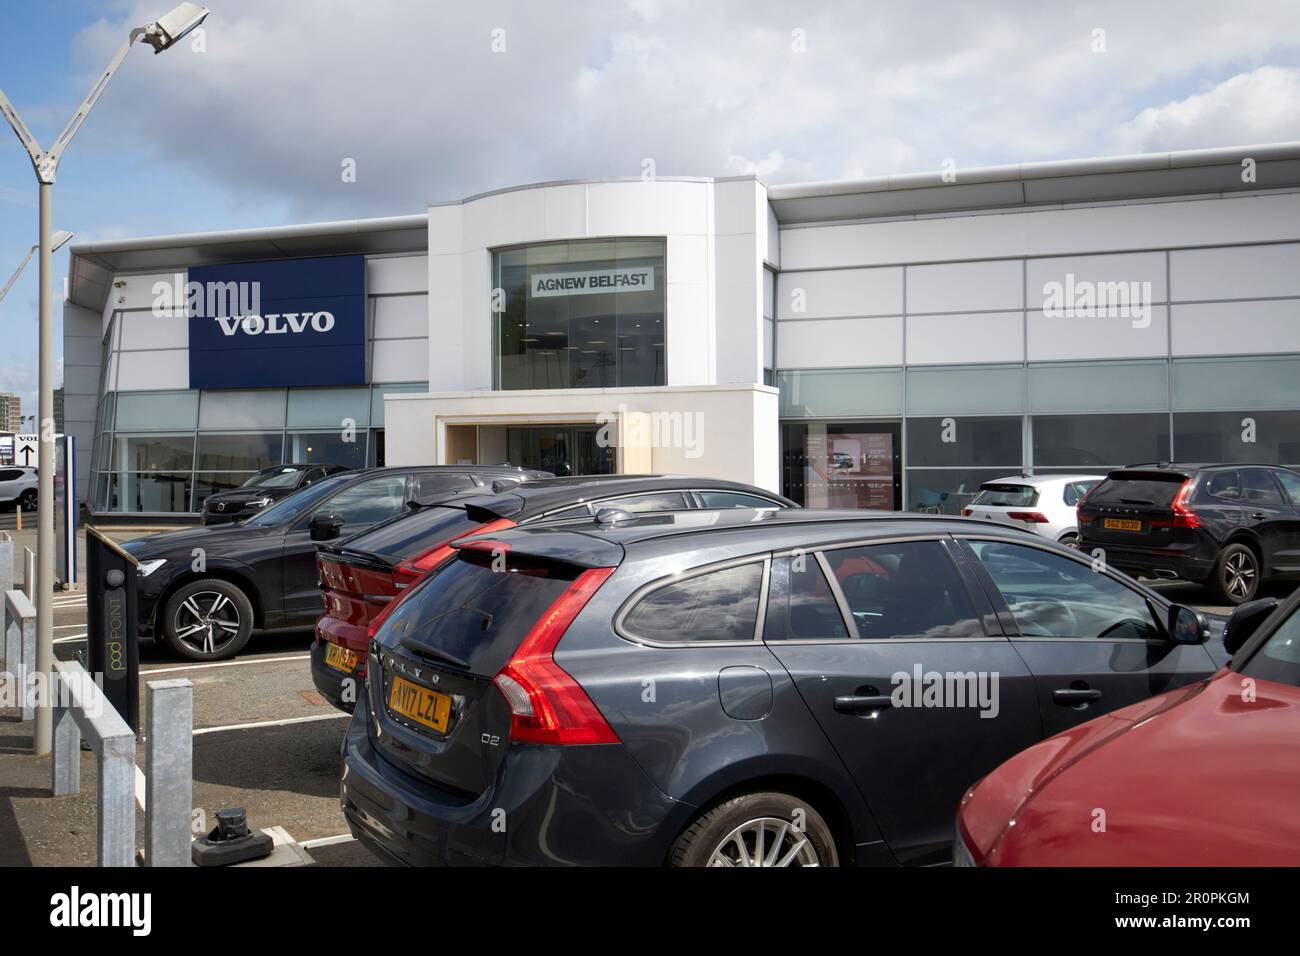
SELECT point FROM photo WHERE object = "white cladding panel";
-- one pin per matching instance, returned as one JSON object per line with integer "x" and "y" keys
{"x": 841, "y": 343}
{"x": 961, "y": 338}
{"x": 1236, "y": 272}
{"x": 837, "y": 293}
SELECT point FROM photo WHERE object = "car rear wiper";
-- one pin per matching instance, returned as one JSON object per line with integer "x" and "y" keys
{"x": 425, "y": 650}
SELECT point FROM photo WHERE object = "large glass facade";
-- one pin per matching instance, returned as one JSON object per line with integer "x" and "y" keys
{"x": 582, "y": 314}
{"x": 165, "y": 452}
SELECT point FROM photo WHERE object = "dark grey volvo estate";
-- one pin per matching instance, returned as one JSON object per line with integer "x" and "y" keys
{"x": 738, "y": 688}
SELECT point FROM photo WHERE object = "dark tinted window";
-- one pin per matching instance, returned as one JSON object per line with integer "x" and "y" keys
{"x": 368, "y": 501}
{"x": 1075, "y": 490}
{"x": 10, "y": 474}
{"x": 429, "y": 487}
{"x": 964, "y": 442}
{"x": 1291, "y": 482}
{"x": 1225, "y": 485}
{"x": 1258, "y": 487}
{"x": 412, "y": 534}
{"x": 1051, "y": 595}
{"x": 473, "y": 613}
{"x": 1087, "y": 442}
{"x": 656, "y": 501}
{"x": 1279, "y": 657}
{"x": 298, "y": 502}
{"x": 906, "y": 589}
{"x": 716, "y": 606}
{"x": 1006, "y": 496}
{"x": 1137, "y": 492}
{"x": 801, "y": 605}
{"x": 734, "y": 499}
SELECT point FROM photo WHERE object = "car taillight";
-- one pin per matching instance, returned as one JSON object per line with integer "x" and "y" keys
{"x": 1033, "y": 517}
{"x": 547, "y": 706}
{"x": 1185, "y": 517}
{"x": 377, "y": 621}
{"x": 967, "y": 512}
{"x": 412, "y": 569}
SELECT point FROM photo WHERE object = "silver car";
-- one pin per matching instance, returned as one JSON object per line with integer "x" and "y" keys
{"x": 1043, "y": 504}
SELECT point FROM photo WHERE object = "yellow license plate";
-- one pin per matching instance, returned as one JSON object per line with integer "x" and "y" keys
{"x": 424, "y": 706}
{"x": 1121, "y": 524}
{"x": 340, "y": 658}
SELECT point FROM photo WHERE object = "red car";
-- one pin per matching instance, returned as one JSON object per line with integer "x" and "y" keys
{"x": 1206, "y": 775}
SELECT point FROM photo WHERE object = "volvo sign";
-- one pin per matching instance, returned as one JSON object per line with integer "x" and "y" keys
{"x": 279, "y": 322}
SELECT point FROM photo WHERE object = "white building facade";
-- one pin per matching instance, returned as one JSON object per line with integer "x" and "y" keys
{"x": 887, "y": 343}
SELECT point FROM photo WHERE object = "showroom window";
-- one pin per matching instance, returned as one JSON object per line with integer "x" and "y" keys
{"x": 1097, "y": 442}
{"x": 1271, "y": 437}
{"x": 949, "y": 458}
{"x": 843, "y": 464}
{"x": 582, "y": 314}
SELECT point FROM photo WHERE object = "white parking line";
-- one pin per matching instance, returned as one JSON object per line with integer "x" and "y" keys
{"x": 270, "y": 723}
{"x": 328, "y": 841}
{"x": 70, "y": 638}
{"x": 64, "y": 627}
{"x": 250, "y": 660}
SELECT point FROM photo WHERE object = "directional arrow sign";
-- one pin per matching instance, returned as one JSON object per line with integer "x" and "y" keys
{"x": 26, "y": 450}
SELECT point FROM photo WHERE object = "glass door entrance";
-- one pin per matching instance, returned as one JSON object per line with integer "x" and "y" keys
{"x": 560, "y": 449}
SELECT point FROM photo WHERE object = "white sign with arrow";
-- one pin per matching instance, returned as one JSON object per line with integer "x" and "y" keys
{"x": 26, "y": 450}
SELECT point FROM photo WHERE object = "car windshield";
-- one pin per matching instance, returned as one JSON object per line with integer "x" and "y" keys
{"x": 274, "y": 478}
{"x": 289, "y": 508}
{"x": 1278, "y": 659}
{"x": 1006, "y": 496}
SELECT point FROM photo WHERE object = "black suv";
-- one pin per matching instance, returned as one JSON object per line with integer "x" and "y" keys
{"x": 1230, "y": 527}
{"x": 266, "y": 487}
{"x": 735, "y": 688}
{"x": 205, "y": 589}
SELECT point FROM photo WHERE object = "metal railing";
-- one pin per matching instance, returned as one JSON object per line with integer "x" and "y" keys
{"x": 80, "y": 709}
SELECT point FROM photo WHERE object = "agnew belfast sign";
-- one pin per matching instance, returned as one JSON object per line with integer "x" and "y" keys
{"x": 592, "y": 281}
{"x": 278, "y": 322}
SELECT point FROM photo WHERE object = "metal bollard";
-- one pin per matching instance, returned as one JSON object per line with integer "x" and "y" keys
{"x": 116, "y": 833}
{"x": 169, "y": 772}
{"x": 20, "y": 644}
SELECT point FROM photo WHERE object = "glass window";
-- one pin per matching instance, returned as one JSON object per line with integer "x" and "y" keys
{"x": 1258, "y": 382}
{"x": 377, "y": 398}
{"x": 581, "y": 314}
{"x": 427, "y": 487}
{"x": 1133, "y": 386}
{"x": 945, "y": 491}
{"x": 154, "y": 492}
{"x": 285, "y": 476}
{"x": 156, "y": 411}
{"x": 715, "y": 606}
{"x": 965, "y": 390}
{"x": 908, "y": 589}
{"x": 1006, "y": 496}
{"x": 964, "y": 441}
{"x": 1225, "y": 485}
{"x": 370, "y": 501}
{"x": 830, "y": 393}
{"x": 1291, "y": 483}
{"x": 328, "y": 447}
{"x": 250, "y": 409}
{"x": 210, "y": 483}
{"x": 1278, "y": 659}
{"x": 1075, "y": 491}
{"x": 849, "y": 465}
{"x": 1258, "y": 487}
{"x": 153, "y": 453}
{"x": 734, "y": 499}
{"x": 329, "y": 408}
{"x": 240, "y": 452}
{"x": 656, "y": 501}
{"x": 1272, "y": 437}
{"x": 289, "y": 508}
{"x": 801, "y": 605}
{"x": 1099, "y": 441}
{"x": 1051, "y": 595}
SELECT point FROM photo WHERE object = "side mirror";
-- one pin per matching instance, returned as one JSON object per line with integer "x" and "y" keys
{"x": 1245, "y": 621}
{"x": 325, "y": 527}
{"x": 1187, "y": 625}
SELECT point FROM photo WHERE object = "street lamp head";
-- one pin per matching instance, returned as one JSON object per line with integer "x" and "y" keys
{"x": 167, "y": 30}
{"x": 60, "y": 237}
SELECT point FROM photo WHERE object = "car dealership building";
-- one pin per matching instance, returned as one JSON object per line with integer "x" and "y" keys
{"x": 881, "y": 343}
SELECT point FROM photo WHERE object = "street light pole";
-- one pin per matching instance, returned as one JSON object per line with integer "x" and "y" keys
{"x": 161, "y": 34}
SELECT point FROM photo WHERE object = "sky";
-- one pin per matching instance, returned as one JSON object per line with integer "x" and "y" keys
{"x": 252, "y": 122}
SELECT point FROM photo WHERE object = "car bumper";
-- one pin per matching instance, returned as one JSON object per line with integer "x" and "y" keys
{"x": 332, "y": 683}
{"x": 223, "y": 517}
{"x": 1183, "y": 564}
{"x": 549, "y": 806}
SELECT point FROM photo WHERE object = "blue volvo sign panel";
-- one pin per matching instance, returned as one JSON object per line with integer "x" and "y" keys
{"x": 279, "y": 322}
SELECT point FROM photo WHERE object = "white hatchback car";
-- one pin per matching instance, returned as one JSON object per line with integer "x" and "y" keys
{"x": 1043, "y": 504}
{"x": 18, "y": 487}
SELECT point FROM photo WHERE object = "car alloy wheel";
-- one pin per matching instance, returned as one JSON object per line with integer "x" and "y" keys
{"x": 765, "y": 841}
{"x": 28, "y": 500}
{"x": 1239, "y": 574}
{"x": 207, "y": 621}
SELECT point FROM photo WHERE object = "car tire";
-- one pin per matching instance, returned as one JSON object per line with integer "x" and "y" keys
{"x": 27, "y": 500}
{"x": 221, "y": 612}
{"x": 1237, "y": 574}
{"x": 1070, "y": 539}
{"x": 728, "y": 834}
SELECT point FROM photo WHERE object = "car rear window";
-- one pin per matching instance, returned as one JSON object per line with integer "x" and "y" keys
{"x": 718, "y": 605}
{"x": 1151, "y": 491}
{"x": 471, "y": 613}
{"x": 413, "y": 533}
{"x": 1006, "y": 496}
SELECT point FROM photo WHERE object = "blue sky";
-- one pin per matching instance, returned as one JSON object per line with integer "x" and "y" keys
{"x": 252, "y": 130}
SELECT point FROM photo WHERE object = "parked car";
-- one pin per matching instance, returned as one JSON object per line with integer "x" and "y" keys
{"x": 1229, "y": 527}
{"x": 1205, "y": 775}
{"x": 362, "y": 575}
{"x": 205, "y": 589}
{"x": 735, "y": 688}
{"x": 18, "y": 487}
{"x": 1043, "y": 504}
{"x": 267, "y": 486}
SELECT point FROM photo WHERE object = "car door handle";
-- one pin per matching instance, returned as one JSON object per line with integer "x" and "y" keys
{"x": 863, "y": 703}
{"x": 1070, "y": 696}
{"x": 1258, "y": 515}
